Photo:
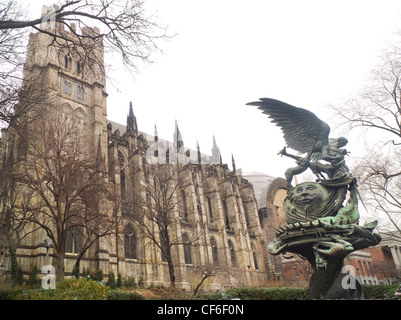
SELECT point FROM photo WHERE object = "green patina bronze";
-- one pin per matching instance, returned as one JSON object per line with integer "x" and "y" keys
{"x": 322, "y": 225}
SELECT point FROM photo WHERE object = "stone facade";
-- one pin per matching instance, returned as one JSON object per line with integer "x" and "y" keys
{"x": 221, "y": 210}
{"x": 272, "y": 216}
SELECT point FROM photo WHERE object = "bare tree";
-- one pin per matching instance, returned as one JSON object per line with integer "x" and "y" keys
{"x": 387, "y": 270}
{"x": 157, "y": 209}
{"x": 380, "y": 181}
{"x": 301, "y": 266}
{"x": 377, "y": 110}
{"x": 16, "y": 209}
{"x": 120, "y": 26}
{"x": 99, "y": 217}
{"x": 61, "y": 170}
{"x": 58, "y": 164}
{"x": 12, "y": 52}
{"x": 207, "y": 271}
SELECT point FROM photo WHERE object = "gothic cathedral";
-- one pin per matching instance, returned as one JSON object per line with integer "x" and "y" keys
{"x": 213, "y": 224}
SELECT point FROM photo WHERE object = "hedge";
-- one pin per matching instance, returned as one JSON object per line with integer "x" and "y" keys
{"x": 72, "y": 289}
{"x": 369, "y": 292}
{"x": 211, "y": 296}
{"x": 92, "y": 290}
{"x": 124, "y": 295}
{"x": 12, "y": 294}
{"x": 267, "y": 293}
{"x": 379, "y": 292}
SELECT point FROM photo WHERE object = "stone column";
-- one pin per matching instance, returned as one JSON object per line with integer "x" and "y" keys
{"x": 395, "y": 255}
{"x": 398, "y": 251}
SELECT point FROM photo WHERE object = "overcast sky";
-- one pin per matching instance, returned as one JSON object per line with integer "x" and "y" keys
{"x": 230, "y": 52}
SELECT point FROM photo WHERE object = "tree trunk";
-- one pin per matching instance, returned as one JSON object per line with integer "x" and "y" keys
{"x": 171, "y": 272}
{"x": 205, "y": 276}
{"x": 170, "y": 267}
{"x": 79, "y": 258}
{"x": 60, "y": 266}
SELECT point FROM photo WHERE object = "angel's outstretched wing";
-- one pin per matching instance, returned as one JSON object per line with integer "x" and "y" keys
{"x": 303, "y": 130}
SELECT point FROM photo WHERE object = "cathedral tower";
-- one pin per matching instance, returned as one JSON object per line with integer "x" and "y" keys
{"x": 72, "y": 70}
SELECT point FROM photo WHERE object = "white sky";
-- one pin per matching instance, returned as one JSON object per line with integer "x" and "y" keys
{"x": 230, "y": 52}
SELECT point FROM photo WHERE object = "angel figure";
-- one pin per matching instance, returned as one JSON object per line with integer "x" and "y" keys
{"x": 331, "y": 153}
{"x": 304, "y": 132}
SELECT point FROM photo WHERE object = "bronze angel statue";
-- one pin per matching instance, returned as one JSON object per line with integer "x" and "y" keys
{"x": 306, "y": 133}
{"x": 322, "y": 217}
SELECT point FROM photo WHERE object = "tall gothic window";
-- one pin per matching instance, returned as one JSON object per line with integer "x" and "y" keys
{"x": 67, "y": 87}
{"x": 129, "y": 242}
{"x": 255, "y": 259}
{"x": 80, "y": 92}
{"x": 67, "y": 61}
{"x": 184, "y": 209}
{"x": 225, "y": 213}
{"x": 215, "y": 254}
{"x": 209, "y": 206}
{"x": 74, "y": 240}
{"x": 232, "y": 253}
{"x": 187, "y": 249}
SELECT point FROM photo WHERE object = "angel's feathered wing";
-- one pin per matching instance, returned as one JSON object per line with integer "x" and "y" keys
{"x": 302, "y": 129}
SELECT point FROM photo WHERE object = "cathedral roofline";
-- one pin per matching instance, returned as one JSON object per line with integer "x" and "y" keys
{"x": 151, "y": 139}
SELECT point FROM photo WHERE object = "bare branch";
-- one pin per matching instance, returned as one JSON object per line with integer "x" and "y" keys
{"x": 120, "y": 26}
{"x": 378, "y": 108}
